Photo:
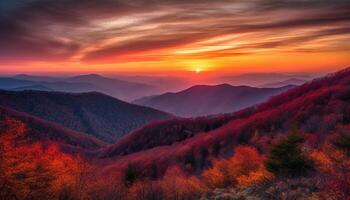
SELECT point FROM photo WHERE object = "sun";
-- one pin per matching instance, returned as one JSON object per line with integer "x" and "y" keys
{"x": 198, "y": 70}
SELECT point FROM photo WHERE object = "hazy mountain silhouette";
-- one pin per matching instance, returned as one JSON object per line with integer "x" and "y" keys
{"x": 292, "y": 81}
{"x": 208, "y": 100}
{"x": 259, "y": 79}
{"x": 121, "y": 89}
{"x": 118, "y": 88}
{"x": 14, "y": 84}
{"x": 10, "y": 83}
{"x": 33, "y": 87}
{"x": 37, "y": 78}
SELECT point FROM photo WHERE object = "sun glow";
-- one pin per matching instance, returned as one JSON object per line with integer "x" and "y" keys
{"x": 198, "y": 70}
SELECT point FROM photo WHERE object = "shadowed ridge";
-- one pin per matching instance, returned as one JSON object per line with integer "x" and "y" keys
{"x": 93, "y": 113}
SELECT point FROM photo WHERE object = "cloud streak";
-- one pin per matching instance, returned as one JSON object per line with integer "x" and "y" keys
{"x": 117, "y": 31}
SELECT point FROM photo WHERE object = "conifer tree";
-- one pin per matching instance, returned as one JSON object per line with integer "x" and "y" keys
{"x": 287, "y": 158}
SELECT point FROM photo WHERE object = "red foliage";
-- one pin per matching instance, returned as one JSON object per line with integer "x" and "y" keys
{"x": 30, "y": 171}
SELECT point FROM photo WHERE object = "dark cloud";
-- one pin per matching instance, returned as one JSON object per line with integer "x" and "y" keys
{"x": 105, "y": 29}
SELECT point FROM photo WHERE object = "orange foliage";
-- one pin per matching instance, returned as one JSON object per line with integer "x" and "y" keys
{"x": 334, "y": 166}
{"x": 176, "y": 183}
{"x": 253, "y": 177}
{"x": 323, "y": 162}
{"x": 245, "y": 168}
{"x": 32, "y": 172}
{"x": 219, "y": 175}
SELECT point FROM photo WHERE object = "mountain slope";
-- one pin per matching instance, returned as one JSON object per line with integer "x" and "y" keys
{"x": 97, "y": 114}
{"x": 43, "y": 131}
{"x": 316, "y": 108}
{"x": 208, "y": 100}
{"x": 121, "y": 89}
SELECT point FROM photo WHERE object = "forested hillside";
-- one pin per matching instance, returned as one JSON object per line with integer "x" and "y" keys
{"x": 94, "y": 113}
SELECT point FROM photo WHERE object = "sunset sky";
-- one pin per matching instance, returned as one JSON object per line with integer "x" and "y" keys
{"x": 173, "y": 36}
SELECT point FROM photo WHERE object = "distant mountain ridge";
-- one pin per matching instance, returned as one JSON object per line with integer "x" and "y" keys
{"x": 120, "y": 89}
{"x": 14, "y": 84}
{"x": 208, "y": 100}
{"x": 260, "y": 79}
{"x": 94, "y": 113}
{"x": 32, "y": 87}
{"x": 292, "y": 81}
{"x": 36, "y": 78}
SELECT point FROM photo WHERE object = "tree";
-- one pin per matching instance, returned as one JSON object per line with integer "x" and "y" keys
{"x": 342, "y": 142}
{"x": 131, "y": 175}
{"x": 177, "y": 185}
{"x": 244, "y": 168}
{"x": 287, "y": 158}
{"x": 219, "y": 175}
{"x": 190, "y": 161}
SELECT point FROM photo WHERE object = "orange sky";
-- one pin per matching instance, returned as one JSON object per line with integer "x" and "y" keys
{"x": 174, "y": 36}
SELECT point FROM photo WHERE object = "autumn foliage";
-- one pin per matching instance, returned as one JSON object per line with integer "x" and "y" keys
{"x": 182, "y": 159}
{"x": 333, "y": 163}
{"x": 244, "y": 168}
{"x": 30, "y": 171}
{"x": 175, "y": 184}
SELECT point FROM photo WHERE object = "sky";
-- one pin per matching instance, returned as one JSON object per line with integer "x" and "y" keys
{"x": 174, "y": 36}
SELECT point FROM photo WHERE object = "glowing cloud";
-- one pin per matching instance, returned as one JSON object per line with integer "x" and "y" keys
{"x": 174, "y": 35}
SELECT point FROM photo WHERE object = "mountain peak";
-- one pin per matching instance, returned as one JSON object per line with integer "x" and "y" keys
{"x": 89, "y": 76}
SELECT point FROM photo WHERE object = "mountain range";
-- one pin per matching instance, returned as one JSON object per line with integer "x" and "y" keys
{"x": 120, "y": 89}
{"x": 194, "y": 155}
{"x": 209, "y": 100}
{"x": 317, "y": 108}
{"x": 130, "y": 88}
{"x": 262, "y": 79}
{"x": 178, "y": 135}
